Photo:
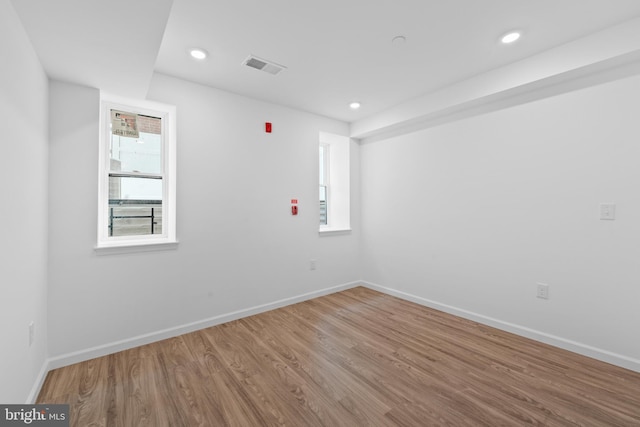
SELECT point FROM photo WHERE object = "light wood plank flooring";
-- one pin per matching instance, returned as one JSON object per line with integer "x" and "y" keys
{"x": 353, "y": 358}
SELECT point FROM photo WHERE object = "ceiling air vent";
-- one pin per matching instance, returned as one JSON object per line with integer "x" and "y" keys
{"x": 263, "y": 65}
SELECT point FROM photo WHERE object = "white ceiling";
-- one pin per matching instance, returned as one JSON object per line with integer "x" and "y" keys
{"x": 111, "y": 45}
{"x": 336, "y": 51}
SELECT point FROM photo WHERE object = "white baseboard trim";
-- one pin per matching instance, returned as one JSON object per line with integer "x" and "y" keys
{"x": 103, "y": 350}
{"x": 35, "y": 390}
{"x": 563, "y": 343}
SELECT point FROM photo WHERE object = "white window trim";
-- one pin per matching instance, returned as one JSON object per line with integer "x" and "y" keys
{"x": 339, "y": 185}
{"x": 167, "y": 240}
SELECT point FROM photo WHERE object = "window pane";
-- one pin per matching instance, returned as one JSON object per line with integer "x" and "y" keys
{"x": 324, "y": 178}
{"x": 136, "y": 143}
{"x": 323, "y": 164}
{"x": 323, "y": 205}
{"x": 135, "y": 218}
{"x": 135, "y": 206}
{"x": 134, "y": 188}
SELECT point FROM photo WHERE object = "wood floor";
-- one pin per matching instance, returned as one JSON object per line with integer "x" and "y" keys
{"x": 353, "y": 358}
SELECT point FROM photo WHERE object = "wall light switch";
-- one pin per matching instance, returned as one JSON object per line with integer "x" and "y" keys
{"x": 607, "y": 211}
{"x": 542, "y": 291}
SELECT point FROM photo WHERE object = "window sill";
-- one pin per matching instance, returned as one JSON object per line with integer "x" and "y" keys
{"x": 135, "y": 247}
{"x": 334, "y": 231}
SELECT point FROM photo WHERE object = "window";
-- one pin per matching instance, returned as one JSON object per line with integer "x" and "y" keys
{"x": 137, "y": 174}
{"x": 324, "y": 182}
{"x": 334, "y": 189}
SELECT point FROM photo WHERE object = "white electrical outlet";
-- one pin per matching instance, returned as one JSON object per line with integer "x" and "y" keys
{"x": 608, "y": 211}
{"x": 312, "y": 264}
{"x": 543, "y": 291}
{"x": 32, "y": 332}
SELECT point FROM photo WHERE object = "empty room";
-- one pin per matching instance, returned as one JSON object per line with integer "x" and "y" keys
{"x": 338, "y": 213}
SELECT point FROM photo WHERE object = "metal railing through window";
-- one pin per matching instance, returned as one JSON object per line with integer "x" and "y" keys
{"x": 129, "y": 217}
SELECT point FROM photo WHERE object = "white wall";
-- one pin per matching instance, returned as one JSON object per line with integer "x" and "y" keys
{"x": 239, "y": 246}
{"x": 468, "y": 216}
{"x": 23, "y": 210}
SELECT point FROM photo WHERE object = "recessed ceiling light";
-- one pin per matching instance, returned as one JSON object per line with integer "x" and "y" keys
{"x": 510, "y": 37}
{"x": 354, "y": 105}
{"x": 197, "y": 53}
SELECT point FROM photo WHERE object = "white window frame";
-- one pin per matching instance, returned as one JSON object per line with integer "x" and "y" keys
{"x": 338, "y": 183}
{"x": 167, "y": 114}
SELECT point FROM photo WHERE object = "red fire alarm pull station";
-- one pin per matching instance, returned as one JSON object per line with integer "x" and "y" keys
{"x": 294, "y": 206}
{"x": 267, "y": 127}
